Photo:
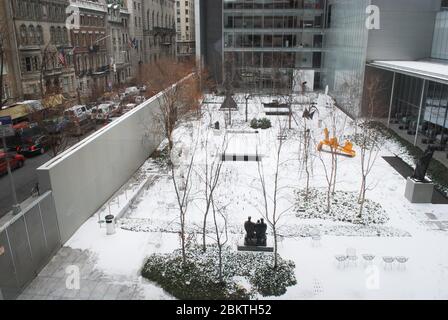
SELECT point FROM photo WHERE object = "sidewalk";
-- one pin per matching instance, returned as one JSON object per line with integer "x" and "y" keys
{"x": 50, "y": 284}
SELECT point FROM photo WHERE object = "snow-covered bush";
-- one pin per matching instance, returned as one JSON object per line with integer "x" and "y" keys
{"x": 199, "y": 279}
{"x": 344, "y": 207}
{"x": 263, "y": 123}
{"x": 269, "y": 282}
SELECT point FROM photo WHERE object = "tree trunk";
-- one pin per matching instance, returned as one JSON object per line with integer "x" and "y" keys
{"x": 204, "y": 227}
{"x": 220, "y": 263}
{"x": 274, "y": 231}
{"x": 335, "y": 165}
{"x": 362, "y": 190}
{"x": 182, "y": 239}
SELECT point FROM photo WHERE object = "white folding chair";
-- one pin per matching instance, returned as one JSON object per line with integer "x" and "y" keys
{"x": 351, "y": 256}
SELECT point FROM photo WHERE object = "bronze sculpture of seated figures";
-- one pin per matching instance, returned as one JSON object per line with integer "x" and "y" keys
{"x": 255, "y": 233}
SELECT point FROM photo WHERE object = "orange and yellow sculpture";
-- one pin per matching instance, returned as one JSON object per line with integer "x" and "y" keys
{"x": 335, "y": 147}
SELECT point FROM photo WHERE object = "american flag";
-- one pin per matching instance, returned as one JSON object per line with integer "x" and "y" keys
{"x": 61, "y": 58}
{"x": 132, "y": 43}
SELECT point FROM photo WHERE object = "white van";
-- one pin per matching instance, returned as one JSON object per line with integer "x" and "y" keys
{"x": 131, "y": 91}
{"x": 102, "y": 111}
{"x": 78, "y": 113}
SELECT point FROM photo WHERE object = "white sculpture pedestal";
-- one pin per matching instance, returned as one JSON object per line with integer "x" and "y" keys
{"x": 419, "y": 192}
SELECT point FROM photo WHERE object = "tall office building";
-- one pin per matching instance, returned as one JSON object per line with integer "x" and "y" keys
{"x": 185, "y": 28}
{"x": 262, "y": 44}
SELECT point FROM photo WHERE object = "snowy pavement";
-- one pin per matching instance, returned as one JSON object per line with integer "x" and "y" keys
{"x": 111, "y": 265}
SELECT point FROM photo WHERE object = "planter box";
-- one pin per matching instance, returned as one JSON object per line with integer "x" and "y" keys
{"x": 419, "y": 192}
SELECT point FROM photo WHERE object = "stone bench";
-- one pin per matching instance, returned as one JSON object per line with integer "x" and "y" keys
{"x": 255, "y": 248}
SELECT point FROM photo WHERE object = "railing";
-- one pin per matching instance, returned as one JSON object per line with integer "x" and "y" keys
{"x": 89, "y": 5}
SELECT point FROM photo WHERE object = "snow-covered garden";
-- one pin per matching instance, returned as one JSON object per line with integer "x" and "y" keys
{"x": 183, "y": 236}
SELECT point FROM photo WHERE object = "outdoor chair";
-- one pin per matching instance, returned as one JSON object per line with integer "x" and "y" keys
{"x": 315, "y": 240}
{"x": 351, "y": 256}
{"x": 368, "y": 258}
{"x": 402, "y": 262}
{"x": 342, "y": 260}
{"x": 388, "y": 262}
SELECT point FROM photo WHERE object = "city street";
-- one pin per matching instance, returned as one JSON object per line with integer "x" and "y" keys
{"x": 24, "y": 178}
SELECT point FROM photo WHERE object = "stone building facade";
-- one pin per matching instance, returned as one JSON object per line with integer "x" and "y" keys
{"x": 40, "y": 48}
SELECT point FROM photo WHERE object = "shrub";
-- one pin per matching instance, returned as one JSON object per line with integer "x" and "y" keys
{"x": 198, "y": 278}
{"x": 254, "y": 123}
{"x": 270, "y": 282}
{"x": 263, "y": 123}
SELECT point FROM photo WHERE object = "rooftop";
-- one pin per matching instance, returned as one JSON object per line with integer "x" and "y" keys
{"x": 435, "y": 70}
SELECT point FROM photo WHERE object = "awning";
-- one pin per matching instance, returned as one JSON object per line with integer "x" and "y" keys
{"x": 53, "y": 101}
{"x": 15, "y": 112}
{"x": 433, "y": 70}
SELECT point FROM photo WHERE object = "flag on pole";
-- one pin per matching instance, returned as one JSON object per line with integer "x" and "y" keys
{"x": 132, "y": 43}
{"x": 61, "y": 58}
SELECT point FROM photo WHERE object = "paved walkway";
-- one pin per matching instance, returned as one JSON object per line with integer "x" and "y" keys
{"x": 50, "y": 284}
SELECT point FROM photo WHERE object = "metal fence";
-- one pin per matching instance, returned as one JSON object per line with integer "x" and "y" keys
{"x": 27, "y": 242}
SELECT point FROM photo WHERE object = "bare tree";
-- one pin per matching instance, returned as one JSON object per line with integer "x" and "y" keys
{"x": 270, "y": 210}
{"x": 48, "y": 60}
{"x": 247, "y": 96}
{"x": 178, "y": 90}
{"x": 211, "y": 178}
{"x": 329, "y": 172}
{"x": 369, "y": 139}
{"x": 308, "y": 114}
{"x": 182, "y": 187}
{"x": 221, "y": 232}
{"x": 175, "y": 101}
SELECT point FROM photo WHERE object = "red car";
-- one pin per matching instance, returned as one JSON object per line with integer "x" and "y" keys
{"x": 15, "y": 161}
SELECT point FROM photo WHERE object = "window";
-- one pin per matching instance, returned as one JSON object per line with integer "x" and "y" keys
{"x": 40, "y": 35}
{"x": 23, "y": 35}
{"x": 32, "y": 35}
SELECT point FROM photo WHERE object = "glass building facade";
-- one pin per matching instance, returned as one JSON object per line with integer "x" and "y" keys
{"x": 273, "y": 44}
{"x": 430, "y": 123}
{"x": 345, "y": 52}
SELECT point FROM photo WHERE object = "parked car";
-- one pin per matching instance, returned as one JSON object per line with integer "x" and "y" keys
{"x": 15, "y": 161}
{"x": 34, "y": 145}
{"x": 24, "y": 134}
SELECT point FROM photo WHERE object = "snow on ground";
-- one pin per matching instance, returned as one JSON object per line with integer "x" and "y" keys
{"x": 150, "y": 226}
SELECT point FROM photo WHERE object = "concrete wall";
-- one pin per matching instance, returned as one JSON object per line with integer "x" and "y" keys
{"x": 27, "y": 241}
{"x": 407, "y": 28}
{"x": 89, "y": 173}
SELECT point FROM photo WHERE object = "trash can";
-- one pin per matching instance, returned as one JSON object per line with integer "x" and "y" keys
{"x": 110, "y": 224}
{"x": 217, "y": 125}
